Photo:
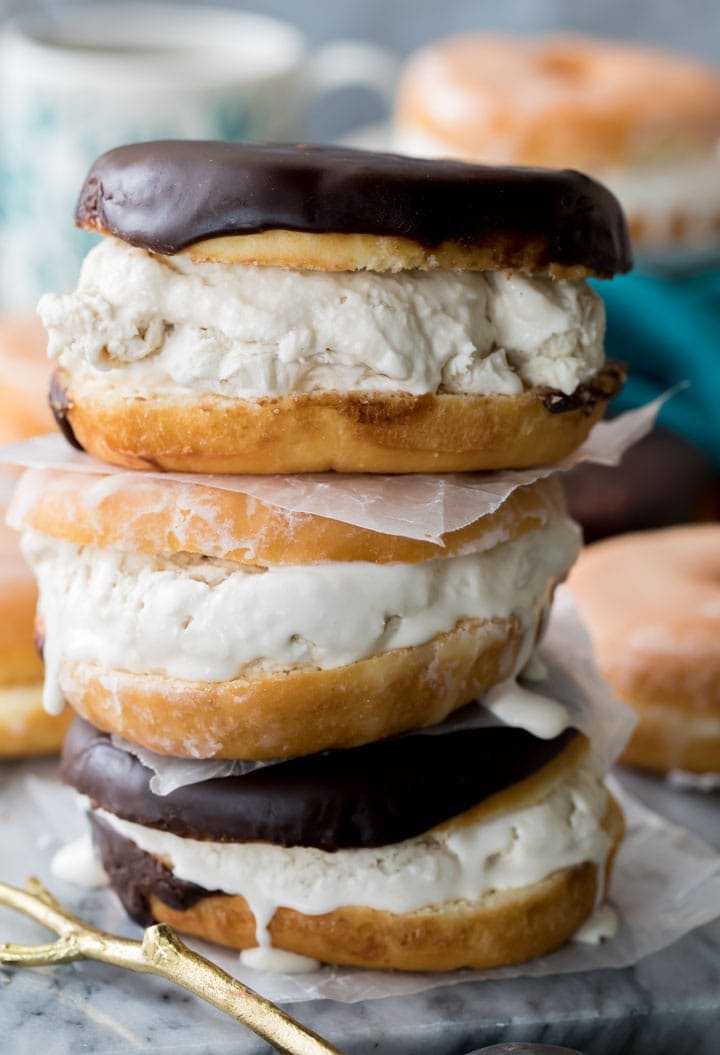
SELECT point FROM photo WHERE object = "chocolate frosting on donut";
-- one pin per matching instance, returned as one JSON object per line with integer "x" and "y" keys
{"x": 166, "y": 195}
{"x": 365, "y": 796}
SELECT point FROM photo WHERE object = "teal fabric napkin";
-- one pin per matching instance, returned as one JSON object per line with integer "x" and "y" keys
{"x": 667, "y": 329}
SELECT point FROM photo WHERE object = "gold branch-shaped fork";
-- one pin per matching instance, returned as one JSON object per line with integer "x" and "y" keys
{"x": 161, "y": 952}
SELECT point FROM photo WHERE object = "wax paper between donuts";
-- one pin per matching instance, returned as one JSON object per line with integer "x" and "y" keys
{"x": 421, "y": 507}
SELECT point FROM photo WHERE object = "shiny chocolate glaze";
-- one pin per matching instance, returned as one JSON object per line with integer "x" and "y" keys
{"x": 364, "y": 796}
{"x": 168, "y": 194}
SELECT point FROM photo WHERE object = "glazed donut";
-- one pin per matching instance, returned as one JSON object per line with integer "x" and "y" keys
{"x": 646, "y": 123}
{"x": 652, "y": 604}
{"x": 198, "y": 623}
{"x": 295, "y": 309}
{"x": 24, "y": 379}
{"x": 25, "y": 729}
{"x": 372, "y": 903}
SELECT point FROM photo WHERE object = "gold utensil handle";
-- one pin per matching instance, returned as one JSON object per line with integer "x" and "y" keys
{"x": 162, "y": 953}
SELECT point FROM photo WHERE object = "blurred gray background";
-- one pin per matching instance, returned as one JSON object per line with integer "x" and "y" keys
{"x": 403, "y": 25}
{"x": 693, "y": 25}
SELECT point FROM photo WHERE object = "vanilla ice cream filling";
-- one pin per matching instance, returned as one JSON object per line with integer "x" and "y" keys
{"x": 203, "y": 619}
{"x": 141, "y": 323}
{"x": 456, "y": 862}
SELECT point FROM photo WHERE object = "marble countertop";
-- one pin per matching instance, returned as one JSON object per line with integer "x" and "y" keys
{"x": 668, "y": 1003}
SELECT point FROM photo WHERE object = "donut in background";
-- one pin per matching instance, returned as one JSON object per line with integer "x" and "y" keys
{"x": 25, "y": 728}
{"x": 644, "y": 122}
{"x": 651, "y": 601}
{"x": 24, "y": 379}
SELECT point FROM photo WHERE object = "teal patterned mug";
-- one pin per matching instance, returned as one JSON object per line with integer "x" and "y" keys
{"x": 85, "y": 79}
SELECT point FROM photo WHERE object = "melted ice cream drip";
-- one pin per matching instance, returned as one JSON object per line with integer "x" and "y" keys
{"x": 601, "y": 926}
{"x": 78, "y": 863}
{"x": 267, "y": 958}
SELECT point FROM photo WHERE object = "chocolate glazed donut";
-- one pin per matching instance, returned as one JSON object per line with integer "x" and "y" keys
{"x": 382, "y": 793}
{"x": 167, "y": 195}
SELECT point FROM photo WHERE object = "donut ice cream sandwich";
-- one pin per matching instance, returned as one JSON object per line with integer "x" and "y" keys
{"x": 284, "y": 309}
{"x": 25, "y": 728}
{"x": 651, "y": 601}
{"x": 646, "y": 123}
{"x": 472, "y": 848}
{"x": 199, "y": 622}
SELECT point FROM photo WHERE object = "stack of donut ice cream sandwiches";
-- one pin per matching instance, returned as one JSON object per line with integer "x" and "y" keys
{"x": 271, "y": 729}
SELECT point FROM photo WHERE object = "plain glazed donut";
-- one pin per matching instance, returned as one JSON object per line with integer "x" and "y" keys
{"x": 643, "y": 121}
{"x": 652, "y": 604}
{"x": 143, "y": 514}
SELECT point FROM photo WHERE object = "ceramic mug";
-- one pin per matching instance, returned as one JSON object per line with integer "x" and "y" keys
{"x": 85, "y": 79}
